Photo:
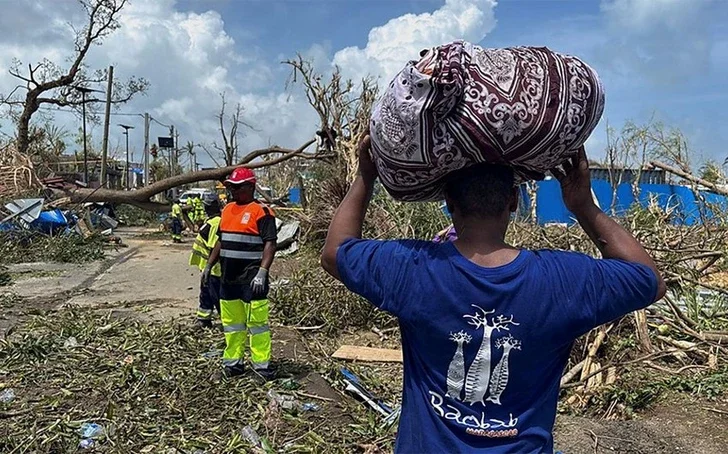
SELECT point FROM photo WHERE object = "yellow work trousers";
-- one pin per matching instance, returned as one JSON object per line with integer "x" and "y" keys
{"x": 242, "y": 321}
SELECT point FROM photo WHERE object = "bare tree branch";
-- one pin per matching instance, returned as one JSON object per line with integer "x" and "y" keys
{"x": 141, "y": 197}
{"x": 343, "y": 110}
{"x": 229, "y": 150}
{"x": 683, "y": 174}
{"x": 47, "y": 83}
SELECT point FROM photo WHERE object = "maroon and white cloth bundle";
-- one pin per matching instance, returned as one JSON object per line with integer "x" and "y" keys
{"x": 461, "y": 104}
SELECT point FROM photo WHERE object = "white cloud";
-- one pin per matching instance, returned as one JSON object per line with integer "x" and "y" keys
{"x": 401, "y": 39}
{"x": 189, "y": 58}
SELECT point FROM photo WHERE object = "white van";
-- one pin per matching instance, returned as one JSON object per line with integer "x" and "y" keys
{"x": 205, "y": 194}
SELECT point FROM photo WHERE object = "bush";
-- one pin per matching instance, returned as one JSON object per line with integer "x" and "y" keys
{"x": 311, "y": 298}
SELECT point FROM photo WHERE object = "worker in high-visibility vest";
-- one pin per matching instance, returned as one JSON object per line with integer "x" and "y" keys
{"x": 177, "y": 220}
{"x": 201, "y": 249}
{"x": 245, "y": 250}
{"x": 198, "y": 213}
{"x": 196, "y": 210}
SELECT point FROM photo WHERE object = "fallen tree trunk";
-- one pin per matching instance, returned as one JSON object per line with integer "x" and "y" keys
{"x": 141, "y": 197}
{"x": 682, "y": 174}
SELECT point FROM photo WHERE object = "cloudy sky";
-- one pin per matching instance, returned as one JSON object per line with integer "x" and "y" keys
{"x": 664, "y": 59}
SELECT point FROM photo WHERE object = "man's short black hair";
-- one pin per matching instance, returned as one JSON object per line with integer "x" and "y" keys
{"x": 481, "y": 190}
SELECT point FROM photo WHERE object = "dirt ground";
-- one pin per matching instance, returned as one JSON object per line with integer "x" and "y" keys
{"x": 150, "y": 279}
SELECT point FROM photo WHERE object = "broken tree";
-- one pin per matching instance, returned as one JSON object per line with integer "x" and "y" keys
{"x": 47, "y": 83}
{"x": 141, "y": 197}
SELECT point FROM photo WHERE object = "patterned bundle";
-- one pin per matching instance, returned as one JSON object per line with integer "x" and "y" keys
{"x": 460, "y": 104}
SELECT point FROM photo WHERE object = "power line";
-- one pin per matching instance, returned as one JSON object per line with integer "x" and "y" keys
{"x": 60, "y": 109}
{"x": 158, "y": 122}
{"x": 118, "y": 114}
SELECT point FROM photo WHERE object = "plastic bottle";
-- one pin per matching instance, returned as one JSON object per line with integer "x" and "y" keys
{"x": 284, "y": 402}
{"x": 310, "y": 406}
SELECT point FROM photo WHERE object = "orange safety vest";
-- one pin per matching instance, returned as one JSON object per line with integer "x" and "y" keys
{"x": 241, "y": 245}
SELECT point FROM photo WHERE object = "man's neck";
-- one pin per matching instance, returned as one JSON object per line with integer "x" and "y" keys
{"x": 482, "y": 241}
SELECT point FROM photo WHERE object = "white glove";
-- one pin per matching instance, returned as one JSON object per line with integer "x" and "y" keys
{"x": 259, "y": 281}
{"x": 205, "y": 275}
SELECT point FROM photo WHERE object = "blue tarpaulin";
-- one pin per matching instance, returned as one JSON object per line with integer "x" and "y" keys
{"x": 50, "y": 221}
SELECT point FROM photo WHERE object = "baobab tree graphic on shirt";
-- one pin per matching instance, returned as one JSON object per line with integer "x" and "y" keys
{"x": 499, "y": 379}
{"x": 456, "y": 371}
{"x": 478, "y": 377}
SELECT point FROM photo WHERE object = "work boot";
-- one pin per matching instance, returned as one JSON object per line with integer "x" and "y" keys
{"x": 265, "y": 375}
{"x": 203, "y": 324}
{"x": 234, "y": 371}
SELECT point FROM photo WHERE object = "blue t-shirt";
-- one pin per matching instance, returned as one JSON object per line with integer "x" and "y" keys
{"x": 484, "y": 348}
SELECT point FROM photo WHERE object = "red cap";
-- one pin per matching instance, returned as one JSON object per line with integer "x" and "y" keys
{"x": 241, "y": 175}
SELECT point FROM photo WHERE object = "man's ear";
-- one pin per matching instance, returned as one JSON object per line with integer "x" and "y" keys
{"x": 513, "y": 206}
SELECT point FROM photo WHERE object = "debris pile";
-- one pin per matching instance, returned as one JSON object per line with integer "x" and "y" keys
{"x": 130, "y": 386}
{"x": 17, "y": 174}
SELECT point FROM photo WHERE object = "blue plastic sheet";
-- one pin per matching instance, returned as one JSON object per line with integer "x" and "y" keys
{"x": 50, "y": 222}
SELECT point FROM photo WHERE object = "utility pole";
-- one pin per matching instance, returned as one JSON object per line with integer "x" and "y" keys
{"x": 105, "y": 145}
{"x": 146, "y": 149}
{"x": 85, "y": 150}
{"x": 171, "y": 152}
{"x": 84, "y": 91}
{"x": 126, "y": 167}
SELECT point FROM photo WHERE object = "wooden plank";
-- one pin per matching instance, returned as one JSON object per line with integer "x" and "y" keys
{"x": 368, "y": 354}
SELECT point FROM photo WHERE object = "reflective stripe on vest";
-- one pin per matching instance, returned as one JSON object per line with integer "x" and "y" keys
{"x": 202, "y": 247}
{"x": 239, "y": 235}
{"x": 241, "y": 255}
{"x": 241, "y": 238}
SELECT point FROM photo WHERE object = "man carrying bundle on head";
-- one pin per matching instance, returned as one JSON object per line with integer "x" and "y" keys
{"x": 486, "y": 328}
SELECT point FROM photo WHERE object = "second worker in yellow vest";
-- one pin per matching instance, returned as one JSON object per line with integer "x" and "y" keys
{"x": 201, "y": 250}
{"x": 245, "y": 250}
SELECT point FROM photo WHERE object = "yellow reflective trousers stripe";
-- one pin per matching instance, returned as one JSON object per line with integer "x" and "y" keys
{"x": 242, "y": 323}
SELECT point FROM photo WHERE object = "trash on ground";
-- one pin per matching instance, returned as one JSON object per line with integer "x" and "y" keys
{"x": 91, "y": 430}
{"x": 283, "y": 401}
{"x": 291, "y": 249}
{"x": 25, "y": 210}
{"x": 7, "y": 396}
{"x": 71, "y": 342}
{"x": 287, "y": 234}
{"x": 354, "y": 385}
{"x": 290, "y": 384}
{"x": 212, "y": 354}
{"x": 87, "y": 443}
{"x": 369, "y": 354}
{"x": 251, "y": 436}
{"x": 310, "y": 406}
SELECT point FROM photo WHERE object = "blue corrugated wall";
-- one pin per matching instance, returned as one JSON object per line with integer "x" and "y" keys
{"x": 687, "y": 211}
